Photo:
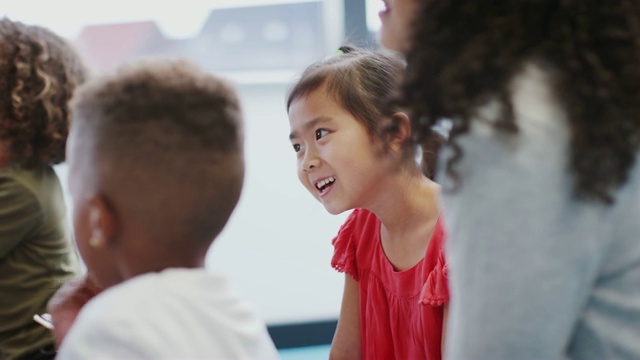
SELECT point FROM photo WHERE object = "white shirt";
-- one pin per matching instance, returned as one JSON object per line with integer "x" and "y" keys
{"x": 175, "y": 314}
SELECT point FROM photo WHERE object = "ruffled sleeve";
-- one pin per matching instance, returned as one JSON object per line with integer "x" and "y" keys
{"x": 345, "y": 245}
{"x": 435, "y": 291}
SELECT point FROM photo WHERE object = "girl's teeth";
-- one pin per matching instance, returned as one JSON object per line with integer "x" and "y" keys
{"x": 324, "y": 182}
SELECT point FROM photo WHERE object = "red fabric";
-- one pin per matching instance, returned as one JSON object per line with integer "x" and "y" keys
{"x": 400, "y": 311}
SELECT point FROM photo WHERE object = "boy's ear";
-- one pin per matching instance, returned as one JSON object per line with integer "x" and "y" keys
{"x": 401, "y": 125}
{"x": 103, "y": 222}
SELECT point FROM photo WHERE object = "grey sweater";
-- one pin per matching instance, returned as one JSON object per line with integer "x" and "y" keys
{"x": 535, "y": 273}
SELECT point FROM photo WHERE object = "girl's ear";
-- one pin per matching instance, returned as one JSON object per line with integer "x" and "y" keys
{"x": 103, "y": 222}
{"x": 401, "y": 131}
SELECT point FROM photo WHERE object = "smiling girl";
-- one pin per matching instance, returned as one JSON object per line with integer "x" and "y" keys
{"x": 355, "y": 151}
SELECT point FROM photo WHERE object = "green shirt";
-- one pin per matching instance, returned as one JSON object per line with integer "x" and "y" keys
{"x": 36, "y": 255}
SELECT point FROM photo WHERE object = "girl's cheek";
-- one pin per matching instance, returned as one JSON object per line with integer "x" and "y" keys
{"x": 302, "y": 177}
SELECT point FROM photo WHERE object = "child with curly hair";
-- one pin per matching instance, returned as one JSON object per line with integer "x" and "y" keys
{"x": 38, "y": 73}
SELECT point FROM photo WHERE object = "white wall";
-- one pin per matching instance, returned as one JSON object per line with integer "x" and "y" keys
{"x": 277, "y": 246}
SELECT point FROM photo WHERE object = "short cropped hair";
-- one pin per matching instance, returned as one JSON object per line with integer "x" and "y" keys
{"x": 38, "y": 72}
{"x": 167, "y": 143}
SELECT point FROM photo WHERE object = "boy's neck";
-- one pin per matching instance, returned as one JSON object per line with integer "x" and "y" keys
{"x": 162, "y": 258}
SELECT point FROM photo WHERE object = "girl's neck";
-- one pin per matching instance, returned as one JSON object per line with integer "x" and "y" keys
{"x": 409, "y": 213}
{"x": 407, "y": 202}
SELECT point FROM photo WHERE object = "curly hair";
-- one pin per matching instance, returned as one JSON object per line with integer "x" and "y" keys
{"x": 467, "y": 52}
{"x": 39, "y": 73}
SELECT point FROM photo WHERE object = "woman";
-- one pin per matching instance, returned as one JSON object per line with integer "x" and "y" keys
{"x": 542, "y": 190}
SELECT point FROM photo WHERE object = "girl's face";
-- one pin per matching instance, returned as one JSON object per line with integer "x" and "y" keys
{"x": 396, "y": 19}
{"x": 339, "y": 162}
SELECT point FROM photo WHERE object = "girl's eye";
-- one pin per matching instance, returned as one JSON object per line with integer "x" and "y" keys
{"x": 296, "y": 147}
{"x": 320, "y": 133}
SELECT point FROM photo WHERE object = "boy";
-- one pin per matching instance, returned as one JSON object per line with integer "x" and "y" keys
{"x": 155, "y": 170}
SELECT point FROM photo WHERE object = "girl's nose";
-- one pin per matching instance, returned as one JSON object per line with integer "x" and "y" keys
{"x": 310, "y": 163}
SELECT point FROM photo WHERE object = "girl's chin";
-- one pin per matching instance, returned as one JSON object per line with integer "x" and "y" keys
{"x": 334, "y": 210}
{"x": 387, "y": 39}
{"x": 393, "y": 37}
{"x": 394, "y": 44}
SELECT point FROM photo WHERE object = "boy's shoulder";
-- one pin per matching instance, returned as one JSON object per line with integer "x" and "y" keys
{"x": 153, "y": 291}
{"x": 164, "y": 311}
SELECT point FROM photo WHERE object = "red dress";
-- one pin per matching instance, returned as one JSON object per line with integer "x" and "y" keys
{"x": 400, "y": 311}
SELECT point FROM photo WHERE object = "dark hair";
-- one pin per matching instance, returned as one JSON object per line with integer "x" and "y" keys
{"x": 467, "y": 52}
{"x": 363, "y": 82}
{"x": 167, "y": 141}
{"x": 38, "y": 73}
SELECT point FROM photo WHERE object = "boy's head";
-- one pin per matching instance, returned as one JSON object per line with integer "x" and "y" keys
{"x": 156, "y": 167}
{"x": 38, "y": 72}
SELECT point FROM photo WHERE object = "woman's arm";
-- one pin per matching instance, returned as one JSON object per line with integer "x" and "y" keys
{"x": 346, "y": 342}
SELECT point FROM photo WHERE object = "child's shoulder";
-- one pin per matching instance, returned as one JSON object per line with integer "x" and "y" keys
{"x": 136, "y": 317}
{"x": 358, "y": 220}
{"x": 360, "y": 224}
{"x": 435, "y": 291}
{"x": 357, "y": 237}
{"x": 22, "y": 189}
{"x": 439, "y": 235}
{"x": 170, "y": 299}
{"x": 148, "y": 293}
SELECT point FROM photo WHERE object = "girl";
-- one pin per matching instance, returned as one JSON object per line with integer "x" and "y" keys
{"x": 355, "y": 151}
{"x": 543, "y": 218}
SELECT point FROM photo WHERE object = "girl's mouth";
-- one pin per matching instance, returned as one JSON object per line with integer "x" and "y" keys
{"x": 324, "y": 184}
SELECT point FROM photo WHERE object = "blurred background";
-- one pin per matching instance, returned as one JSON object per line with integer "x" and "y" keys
{"x": 276, "y": 249}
